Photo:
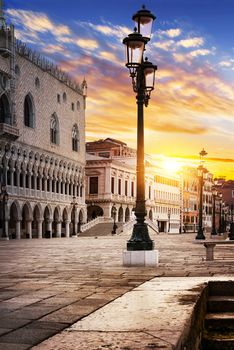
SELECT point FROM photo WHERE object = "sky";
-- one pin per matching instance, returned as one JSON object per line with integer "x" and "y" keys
{"x": 192, "y": 106}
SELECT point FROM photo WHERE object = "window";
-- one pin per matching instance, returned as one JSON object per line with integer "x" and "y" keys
{"x": 149, "y": 192}
{"x": 64, "y": 97}
{"x": 28, "y": 111}
{"x": 17, "y": 70}
{"x": 58, "y": 98}
{"x": 78, "y": 105}
{"x": 54, "y": 130}
{"x": 132, "y": 189}
{"x": 37, "y": 82}
{"x": 232, "y": 193}
{"x": 104, "y": 154}
{"x": 4, "y": 110}
{"x": 113, "y": 185}
{"x": 72, "y": 106}
{"x": 119, "y": 186}
{"x": 126, "y": 187}
{"x": 75, "y": 138}
{"x": 93, "y": 185}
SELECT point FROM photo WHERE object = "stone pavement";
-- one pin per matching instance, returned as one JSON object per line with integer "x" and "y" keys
{"x": 48, "y": 285}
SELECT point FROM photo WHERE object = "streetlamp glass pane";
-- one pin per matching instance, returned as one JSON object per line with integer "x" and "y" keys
{"x": 134, "y": 52}
{"x": 144, "y": 25}
{"x": 149, "y": 78}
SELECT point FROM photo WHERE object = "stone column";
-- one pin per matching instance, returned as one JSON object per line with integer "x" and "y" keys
{"x": 18, "y": 229}
{"x": 67, "y": 228}
{"x": 39, "y": 228}
{"x": 58, "y": 229}
{"x": 29, "y": 229}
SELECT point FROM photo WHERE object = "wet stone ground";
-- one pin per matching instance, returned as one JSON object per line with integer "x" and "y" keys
{"x": 48, "y": 285}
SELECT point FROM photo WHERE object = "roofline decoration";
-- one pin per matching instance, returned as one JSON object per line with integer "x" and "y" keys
{"x": 23, "y": 50}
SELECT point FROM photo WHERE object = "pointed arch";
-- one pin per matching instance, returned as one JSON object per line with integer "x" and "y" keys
{"x": 75, "y": 138}
{"x": 5, "y": 113}
{"x": 29, "y": 111}
{"x": 54, "y": 129}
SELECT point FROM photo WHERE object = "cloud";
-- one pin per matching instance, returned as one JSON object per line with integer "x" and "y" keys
{"x": 88, "y": 44}
{"x": 191, "y": 42}
{"x": 38, "y": 22}
{"x": 171, "y": 33}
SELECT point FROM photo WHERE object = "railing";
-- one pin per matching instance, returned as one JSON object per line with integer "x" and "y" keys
{"x": 152, "y": 225}
{"x": 125, "y": 227}
{"x": 94, "y": 222}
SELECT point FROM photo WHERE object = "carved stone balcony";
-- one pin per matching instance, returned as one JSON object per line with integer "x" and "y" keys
{"x": 8, "y": 131}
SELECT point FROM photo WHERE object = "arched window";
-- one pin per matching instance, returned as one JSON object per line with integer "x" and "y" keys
{"x": 54, "y": 129}
{"x": 75, "y": 138}
{"x": 28, "y": 111}
{"x": 4, "y": 110}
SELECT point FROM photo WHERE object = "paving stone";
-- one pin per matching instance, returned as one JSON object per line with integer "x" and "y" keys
{"x": 27, "y": 335}
{"x": 7, "y": 346}
{"x": 12, "y": 322}
{"x": 4, "y": 330}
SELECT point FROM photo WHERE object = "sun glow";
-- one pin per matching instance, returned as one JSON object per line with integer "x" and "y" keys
{"x": 171, "y": 165}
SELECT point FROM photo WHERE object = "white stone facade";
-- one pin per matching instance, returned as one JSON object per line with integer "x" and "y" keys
{"x": 42, "y": 145}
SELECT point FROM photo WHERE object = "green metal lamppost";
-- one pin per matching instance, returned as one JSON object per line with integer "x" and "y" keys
{"x": 169, "y": 219}
{"x": 220, "y": 214}
{"x": 142, "y": 73}
{"x": 114, "y": 211}
{"x": 201, "y": 172}
{"x": 214, "y": 196}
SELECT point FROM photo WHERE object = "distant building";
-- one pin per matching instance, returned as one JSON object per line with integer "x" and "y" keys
{"x": 42, "y": 143}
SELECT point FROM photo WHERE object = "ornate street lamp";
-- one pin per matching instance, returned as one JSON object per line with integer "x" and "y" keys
{"x": 3, "y": 203}
{"x": 220, "y": 213}
{"x": 231, "y": 233}
{"x": 114, "y": 211}
{"x": 201, "y": 171}
{"x": 142, "y": 73}
{"x": 169, "y": 217}
{"x": 214, "y": 196}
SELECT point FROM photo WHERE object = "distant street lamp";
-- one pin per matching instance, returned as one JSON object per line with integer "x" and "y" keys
{"x": 4, "y": 200}
{"x": 114, "y": 211}
{"x": 74, "y": 208}
{"x": 142, "y": 73}
{"x": 220, "y": 214}
{"x": 231, "y": 233}
{"x": 201, "y": 171}
{"x": 214, "y": 196}
{"x": 169, "y": 217}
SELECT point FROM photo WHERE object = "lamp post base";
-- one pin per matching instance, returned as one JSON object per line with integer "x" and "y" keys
{"x": 140, "y": 239}
{"x": 200, "y": 234}
{"x": 140, "y": 258}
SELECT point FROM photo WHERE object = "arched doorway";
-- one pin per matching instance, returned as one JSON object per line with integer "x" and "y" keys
{"x": 81, "y": 219}
{"x": 127, "y": 214}
{"x": 56, "y": 225}
{"x": 26, "y": 224}
{"x": 120, "y": 215}
{"x": 47, "y": 224}
{"x": 94, "y": 211}
{"x": 37, "y": 222}
{"x": 14, "y": 222}
{"x": 4, "y": 110}
{"x": 64, "y": 222}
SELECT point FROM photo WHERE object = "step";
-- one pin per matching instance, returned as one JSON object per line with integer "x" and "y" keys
{"x": 221, "y": 288}
{"x": 217, "y": 341}
{"x": 223, "y": 322}
{"x": 220, "y": 303}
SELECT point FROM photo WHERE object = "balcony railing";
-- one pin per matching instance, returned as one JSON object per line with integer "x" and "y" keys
{"x": 8, "y": 131}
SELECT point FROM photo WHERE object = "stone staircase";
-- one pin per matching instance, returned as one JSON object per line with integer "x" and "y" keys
{"x": 101, "y": 229}
{"x": 219, "y": 321}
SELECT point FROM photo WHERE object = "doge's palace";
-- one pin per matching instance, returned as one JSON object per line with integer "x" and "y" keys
{"x": 42, "y": 144}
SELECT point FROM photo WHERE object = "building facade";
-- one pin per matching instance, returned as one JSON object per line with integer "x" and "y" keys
{"x": 42, "y": 144}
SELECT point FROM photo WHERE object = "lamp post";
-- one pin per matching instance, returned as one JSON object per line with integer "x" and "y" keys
{"x": 169, "y": 217}
{"x": 214, "y": 195}
{"x": 220, "y": 213}
{"x": 4, "y": 200}
{"x": 142, "y": 73}
{"x": 74, "y": 207}
{"x": 114, "y": 211}
{"x": 201, "y": 171}
{"x": 231, "y": 233}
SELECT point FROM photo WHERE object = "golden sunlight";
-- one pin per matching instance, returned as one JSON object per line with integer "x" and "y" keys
{"x": 171, "y": 165}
